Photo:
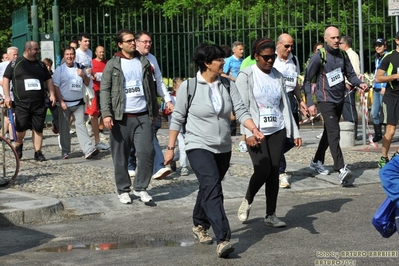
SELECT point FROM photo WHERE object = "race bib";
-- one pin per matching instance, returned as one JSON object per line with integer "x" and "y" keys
{"x": 99, "y": 76}
{"x": 290, "y": 78}
{"x": 32, "y": 85}
{"x": 134, "y": 88}
{"x": 75, "y": 85}
{"x": 268, "y": 117}
{"x": 334, "y": 77}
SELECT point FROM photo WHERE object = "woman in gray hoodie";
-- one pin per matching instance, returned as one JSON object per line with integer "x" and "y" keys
{"x": 203, "y": 106}
{"x": 262, "y": 89}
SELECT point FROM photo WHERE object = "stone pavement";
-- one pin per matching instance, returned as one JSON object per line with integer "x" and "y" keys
{"x": 17, "y": 207}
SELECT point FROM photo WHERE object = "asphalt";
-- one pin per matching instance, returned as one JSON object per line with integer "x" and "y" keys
{"x": 17, "y": 208}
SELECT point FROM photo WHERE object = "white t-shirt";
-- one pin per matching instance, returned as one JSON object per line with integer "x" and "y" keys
{"x": 214, "y": 95}
{"x": 267, "y": 92}
{"x": 70, "y": 84}
{"x": 134, "y": 98}
{"x": 84, "y": 58}
{"x": 3, "y": 66}
{"x": 289, "y": 70}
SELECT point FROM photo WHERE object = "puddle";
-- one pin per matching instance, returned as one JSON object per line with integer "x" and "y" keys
{"x": 152, "y": 242}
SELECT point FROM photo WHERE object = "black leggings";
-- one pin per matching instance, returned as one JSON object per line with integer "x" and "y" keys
{"x": 266, "y": 160}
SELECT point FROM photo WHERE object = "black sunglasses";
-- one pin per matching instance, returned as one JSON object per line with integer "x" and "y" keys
{"x": 286, "y": 46}
{"x": 268, "y": 57}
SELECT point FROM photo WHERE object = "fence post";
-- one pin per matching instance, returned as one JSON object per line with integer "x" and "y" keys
{"x": 56, "y": 28}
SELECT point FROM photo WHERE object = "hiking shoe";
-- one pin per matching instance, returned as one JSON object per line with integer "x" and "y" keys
{"x": 39, "y": 156}
{"x": 224, "y": 249}
{"x": 184, "y": 171}
{"x": 202, "y": 234}
{"x": 318, "y": 166}
{"x": 125, "y": 198}
{"x": 163, "y": 172}
{"x": 272, "y": 220}
{"x": 243, "y": 210}
{"x": 132, "y": 173}
{"x": 383, "y": 161}
{"x": 242, "y": 146}
{"x": 102, "y": 147}
{"x": 19, "y": 150}
{"x": 283, "y": 177}
{"x": 143, "y": 195}
{"x": 93, "y": 152}
{"x": 344, "y": 175}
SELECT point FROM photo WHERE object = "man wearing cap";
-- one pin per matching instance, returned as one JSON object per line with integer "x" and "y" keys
{"x": 380, "y": 46}
{"x": 388, "y": 73}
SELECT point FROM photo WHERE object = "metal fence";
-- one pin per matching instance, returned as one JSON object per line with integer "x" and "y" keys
{"x": 174, "y": 38}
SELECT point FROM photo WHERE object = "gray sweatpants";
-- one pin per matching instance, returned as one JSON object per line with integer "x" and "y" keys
{"x": 125, "y": 133}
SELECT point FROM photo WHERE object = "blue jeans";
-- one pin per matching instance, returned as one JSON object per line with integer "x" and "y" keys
{"x": 375, "y": 107}
{"x": 158, "y": 158}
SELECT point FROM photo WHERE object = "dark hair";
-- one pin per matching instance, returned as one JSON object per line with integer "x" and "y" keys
{"x": 73, "y": 41}
{"x": 82, "y": 34}
{"x": 141, "y": 33}
{"x": 315, "y": 46}
{"x": 69, "y": 48}
{"x": 121, "y": 33}
{"x": 260, "y": 44}
{"x": 347, "y": 40}
{"x": 226, "y": 49}
{"x": 206, "y": 53}
{"x": 48, "y": 61}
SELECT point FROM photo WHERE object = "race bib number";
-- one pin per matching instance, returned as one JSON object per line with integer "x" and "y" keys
{"x": 134, "y": 89}
{"x": 268, "y": 118}
{"x": 99, "y": 76}
{"x": 290, "y": 78}
{"x": 32, "y": 85}
{"x": 75, "y": 85}
{"x": 334, "y": 77}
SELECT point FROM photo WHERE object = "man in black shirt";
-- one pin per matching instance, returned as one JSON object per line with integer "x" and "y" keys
{"x": 30, "y": 79}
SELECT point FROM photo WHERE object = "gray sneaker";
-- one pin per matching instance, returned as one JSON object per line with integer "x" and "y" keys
{"x": 272, "y": 220}
{"x": 202, "y": 234}
{"x": 184, "y": 171}
{"x": 345, "y": 176}
{"x": 224, "y": 249}
{"x": 318, "y": 166}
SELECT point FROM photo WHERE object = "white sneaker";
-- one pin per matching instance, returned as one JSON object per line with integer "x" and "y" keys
{"x": 318, "y": 166}
{"x": 345, "y": 176}
{"x": 143, "y": 195}
{"x": 163, "y": 172}
{"x": 125, "y": 198}
{"x": 243, "y": 210}
{"x": 132, "y": 173}
{"x": 284, "y": 180}
{"x": 184, "y": 171}
{"x": 72, "y": 131}
{"x": 272, "y": 220}
{"x": 102, "y": 147}
{"x": 242, "y": 146}
{"x": 319, "y": 136}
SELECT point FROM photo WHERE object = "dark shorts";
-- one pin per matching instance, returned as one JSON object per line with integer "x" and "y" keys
{"x": 30, "y": 115}
{"x": 389, "y": 114}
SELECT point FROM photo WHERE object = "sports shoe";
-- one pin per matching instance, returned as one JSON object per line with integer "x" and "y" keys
{"x": 283, "y": 177}
{"x": 224, "y": 249}
{"x": 383, "y": 161}
{"x": 202, "y": 234}
{"x": 72, "y": 131}
{"x": 143, "y": 195}
{"x": 184, "y": 171}
{"x": 243, "y": 210}
{"x": 272, "y": 220}
{"x": 125, "y": 198}
{"x": 319, "y": 136}
{"x": 163, "y": 172}
{"x": 39, "y": 156}
{"x": 19, "y": 150}
{"x": 395, "y": 154}
{"x": 132, "y": 173}
{"x": 65, "y": 156}
{"x": 92, "y": 153}
{"x": 344, "y": 175}
{"x": 102, "y": 147}
{"x": 318, "y": 166}
{"x": 242, "y": 146}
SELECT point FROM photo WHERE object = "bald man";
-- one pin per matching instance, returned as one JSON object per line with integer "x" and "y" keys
{"x": 330, "y": 94}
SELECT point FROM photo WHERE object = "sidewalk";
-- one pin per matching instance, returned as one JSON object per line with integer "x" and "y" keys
{"x": 18, "y": 207}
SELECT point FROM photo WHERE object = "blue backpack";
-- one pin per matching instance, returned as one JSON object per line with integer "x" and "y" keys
{"x": 384, "y": 218}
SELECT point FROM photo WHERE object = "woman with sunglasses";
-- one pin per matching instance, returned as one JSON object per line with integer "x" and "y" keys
{"x": 206, "y": 116}
{"x": 262, "y": 90}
